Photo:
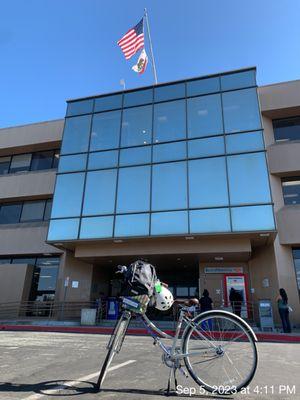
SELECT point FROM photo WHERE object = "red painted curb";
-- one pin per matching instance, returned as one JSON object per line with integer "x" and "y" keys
{"x": 262, "y": 337}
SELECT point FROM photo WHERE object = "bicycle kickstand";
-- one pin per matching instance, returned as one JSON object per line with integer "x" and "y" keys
{"x": 170, "y": 392}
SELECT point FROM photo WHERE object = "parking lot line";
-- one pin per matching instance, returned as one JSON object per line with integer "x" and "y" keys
{"x": 72, "y": 383}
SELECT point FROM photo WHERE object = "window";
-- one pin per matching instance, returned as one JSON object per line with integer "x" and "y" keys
{"x": 20, "y": 163}
{"x": 80, "y": 107}
{"x": 206, "y": 147}
{"x": 5, "y": 261}
{"x": 248, "y": 179}
{"x": 106, "y": 130}
{"x": 137, "y": 155}
{"x": 103, "y": 159}
{"x": 238, "y": 80}
{"x": 23, "y": 260}
{"x": 68, "y": 195}
{"x": 169, "y": 151}
{"x": 76, "y": 134}
{"x": 169, "y": 186}
{"x": 4, "y": 165}
{"x": 133, "y": 189}
{"x": 33, "y": 211}
{"x": 98, "y": 227}
{"x": 291, "y": 190}
{"x": 296, "y": 255}
{"x": 100, "y": 192}
{"x": 203, "y": 86}
{"x": 204, "y": 116}
{"x": 169, "y": 92}
{"x": 72, "y": 163}
{"x": 10, "y": 213}
{"x": 253, "y": 218}
{"x": 287, "y": 129}
{"x": 48, "y": 209}
{"x": 108, "y": 103}
{"x": 55, "y": 159}
{"x": 244, "y": 142}
{"x": 207, "y": 183}
{"x": 241, "y": 111}
{"x": 136, "y": 126}
{"x": 47, "y": 271}
{"x": 138, "y": 97}
{"x": 214, "y": 220}
{"x": 63, "y": 229}
{"x": 165, "y": 223}
{"x": 42, "y": 160}
{"x": 132, "y": 225}
{"x": 169, "y": 121}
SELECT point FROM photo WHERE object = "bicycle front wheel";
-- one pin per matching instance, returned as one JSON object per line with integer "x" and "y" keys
{"x": 221, "y": 354}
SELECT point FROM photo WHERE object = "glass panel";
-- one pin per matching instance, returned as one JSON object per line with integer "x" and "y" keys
{"x": 253, "y": 218}
{"x": 136, "y": 126}
{"x": 132, "y": 225}
{"x": 20, "y": 163}
{"x": 24, "y": 260}
{"x": 108, "y": 103}
{"x": 296, "y": 255}
{"x": 138, "y": 98}
{"x": 105, "y": 159}
{"x": 206, "y": 147}
{"x": 55, "y": 159}
{"x": 204, "y": 116}
{"x": 80, "y": 107}
{"x": 63, "y": 229}
{"x": 48, "y": 210}
{"x": 100, "y": 192}
{"x": 238, "y": 80}
{"x": 42, "y": 160}
{"x": 287, "y": 129}
{"x": 33, "y": 211}
{"x": 168, "y": 92}
{"x": 182, "y": 291}
{"x": 47, "y": 261}
{"x": 169, "y": 121}
{"x": 105, "y": 131}
{"x": 203, "y": 86}
{"x": 208, "y": 183}
{"x": 214, "y": 220}
{"x": 72, "y": 163}
{"x": 99, "y": 227}
{"x": 47, "y": 278}
{"x": 68, "y": 195}
{"x": 169, "y": 186}
{"x": 134, "y": 189}
{"x": 10, "y": 213}
{"x": 248, "y": 179}
{"x": 169, "y": 151}
{"x": 169, "y": 223}
{"x": 76, "y": 134}
{"x": 137, "y": 155}
{"x": 291, "y": 190}
{"x": 241, "y": 110}
{"x": 4, "y": 165}
{"x": 242, "y": 142}
{"x": 5, "y": 261}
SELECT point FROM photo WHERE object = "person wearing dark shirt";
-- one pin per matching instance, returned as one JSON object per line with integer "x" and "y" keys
{"x": 206, "y": 302}
{"x": 284, "y": 310}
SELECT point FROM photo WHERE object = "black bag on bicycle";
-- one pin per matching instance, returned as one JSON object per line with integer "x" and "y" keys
{"x": 139, "y": 279}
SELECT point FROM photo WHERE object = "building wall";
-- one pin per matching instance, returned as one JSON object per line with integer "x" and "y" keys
{"x": 15, "y": 282}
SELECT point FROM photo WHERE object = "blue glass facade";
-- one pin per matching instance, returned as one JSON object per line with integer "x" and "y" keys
{"x": 175, "y": 159}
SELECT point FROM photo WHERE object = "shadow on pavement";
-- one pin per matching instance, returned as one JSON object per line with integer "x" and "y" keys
{"x": 163, "y": 392}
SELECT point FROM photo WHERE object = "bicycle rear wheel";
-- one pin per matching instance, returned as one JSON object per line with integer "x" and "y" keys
{"x": 221, "y": 352}
{"x": 114, "y": 345}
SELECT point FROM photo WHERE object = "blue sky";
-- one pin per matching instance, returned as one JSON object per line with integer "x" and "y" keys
{"x": 53, "y": 50}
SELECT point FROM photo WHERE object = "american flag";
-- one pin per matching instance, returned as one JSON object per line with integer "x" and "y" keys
{"x": 133, "y": 40}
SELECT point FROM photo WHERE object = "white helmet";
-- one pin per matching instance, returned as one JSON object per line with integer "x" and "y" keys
{"x": 164, "y": 299}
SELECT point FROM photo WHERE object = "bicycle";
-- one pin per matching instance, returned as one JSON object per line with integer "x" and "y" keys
{"x": 217, "y": 347}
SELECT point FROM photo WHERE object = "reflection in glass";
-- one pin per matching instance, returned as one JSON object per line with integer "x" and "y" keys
{"x": 286, "y": 129}
{"x": 75, "y": 162}
{"x": 96, "y": 227}
{"x": 208, "y": 183}
{"x": 253, "y": 218}
{"x": 134, "y": 189}
{"x": 63, "y": 229}
{"x": 47, "y": 278}
{"x": 76, "y": 134}
{"x": 169, "y": 186}
{"x": 169, "y": 92}
{"x": 80, "y": 107}
{"x": 206, "y": 147}
{"x": 103, "y": 159}
{"x": 137, "y": 155}
{"x": 214, "y": 220}
{"x": 10, "y": 213}
{"x": 248, "y": 179}
{"x": 107, "y": 103}
{"x": 241, "y": 110}
{"x": 4, "y": 165}
{"x": 203, "y": 86}
{"x": 138, "y": 97}
{"x": 169, "y": 121}
{"x": 169, "y": 151}
{"x": 165, "y": 223}
{"x": 106, "y": 131}
{"x": 41, "y": 160}
{"x": 68, "y": 195}
{"x": 238, "y": 80}
{"x": 204, "y": 116}
{"x": 243, "y": 142}
{"x": 132, "y": 225}
{"x": 48, "y": 209}
{"x": 136, "y": 126}
{"x": 291, "y": 190}
{"x": 33, "y": 211}
{"x": 100, "y": 191}
{"x": 20, "y": 162}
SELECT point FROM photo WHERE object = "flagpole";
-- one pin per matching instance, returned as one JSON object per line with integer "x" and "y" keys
{"x": 150, "y": 43}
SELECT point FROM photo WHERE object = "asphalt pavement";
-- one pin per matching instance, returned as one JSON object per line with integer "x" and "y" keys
{"x": 39, "y": 365}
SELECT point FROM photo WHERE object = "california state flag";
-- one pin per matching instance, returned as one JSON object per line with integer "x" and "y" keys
{"x": 141, "y": 63}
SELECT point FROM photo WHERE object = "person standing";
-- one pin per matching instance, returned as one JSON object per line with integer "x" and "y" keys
{"x": 283, "y": 309}
{"x": 206, "y": 302}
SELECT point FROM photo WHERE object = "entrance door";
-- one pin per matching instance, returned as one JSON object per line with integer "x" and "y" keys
{"x": 239, "y": 283}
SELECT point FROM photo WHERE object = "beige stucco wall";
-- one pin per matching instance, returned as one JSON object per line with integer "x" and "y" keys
{"x": 284, "y": 158}
{"x": 288, "y": 221}
{"x": 15, "y": 282}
